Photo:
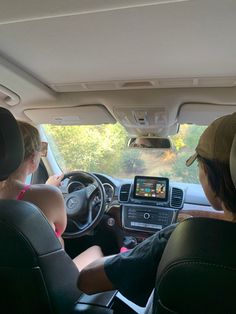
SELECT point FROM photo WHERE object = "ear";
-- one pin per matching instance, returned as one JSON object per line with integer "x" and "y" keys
{"x": 33, "y": 161}
{"x": 219, "y": 204}
{"x": 228, "y": 214}
{"x": 32, "y": 158}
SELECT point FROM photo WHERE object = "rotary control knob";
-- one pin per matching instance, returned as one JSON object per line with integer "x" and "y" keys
{"x": 146, "y": 216}
{"x": 111, "y": 222}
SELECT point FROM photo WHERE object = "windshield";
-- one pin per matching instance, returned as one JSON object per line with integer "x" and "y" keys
{"x": 103, "y": 149}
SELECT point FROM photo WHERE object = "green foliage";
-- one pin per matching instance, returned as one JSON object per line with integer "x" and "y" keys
{"x": 179, "y": 171}
{"x": 89, "y": 148}
{"x": 185, "y": 143}
{"x": 132, "y": 162}
{"x": 103, "y": 149}
{"x": 178, "y": 143}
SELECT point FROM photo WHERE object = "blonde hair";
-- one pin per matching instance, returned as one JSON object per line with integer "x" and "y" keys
{"x": 31, "y": 138}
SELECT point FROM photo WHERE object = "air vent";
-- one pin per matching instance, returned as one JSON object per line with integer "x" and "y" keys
{"x": 177, "y": 196}
{"x": 124, "y": 192}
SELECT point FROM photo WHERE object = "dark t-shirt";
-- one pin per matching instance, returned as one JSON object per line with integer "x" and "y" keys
{"x": 133, "y": 273}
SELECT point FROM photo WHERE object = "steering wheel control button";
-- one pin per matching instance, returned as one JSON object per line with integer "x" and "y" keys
{"x": 90, "y": 189}
{"x": 146, "y": 216}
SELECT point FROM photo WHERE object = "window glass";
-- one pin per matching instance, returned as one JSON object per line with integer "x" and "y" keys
{"x": 103, "y": 149}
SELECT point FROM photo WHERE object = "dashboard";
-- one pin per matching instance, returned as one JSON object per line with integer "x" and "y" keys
{"x": 145, "y": 203}
{"x": 136, "y": 208}
{"x": 139, "y": 207}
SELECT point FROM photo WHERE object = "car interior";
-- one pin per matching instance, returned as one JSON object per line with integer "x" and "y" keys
{"x": 155, "y": 73}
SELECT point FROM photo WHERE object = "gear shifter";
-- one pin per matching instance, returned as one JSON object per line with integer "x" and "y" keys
{"x": 128, "y": 243}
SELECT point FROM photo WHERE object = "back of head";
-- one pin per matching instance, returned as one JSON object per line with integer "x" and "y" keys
{"x": 11, "y": 148}
{"x": 31, "y": 138}
{"x": 213, "y": 152}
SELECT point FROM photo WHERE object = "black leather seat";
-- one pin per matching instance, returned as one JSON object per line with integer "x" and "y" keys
{"x": 36, "y": 275}
{"x": 197, "y": 272}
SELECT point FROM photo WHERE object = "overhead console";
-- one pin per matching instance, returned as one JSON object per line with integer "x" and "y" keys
{"x": 149, "y": 204}
{"x": 147, "y": 120}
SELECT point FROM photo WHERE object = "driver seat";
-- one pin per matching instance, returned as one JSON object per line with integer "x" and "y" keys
{"x": 197, "y": 272}
{"x": 36, "y": 274}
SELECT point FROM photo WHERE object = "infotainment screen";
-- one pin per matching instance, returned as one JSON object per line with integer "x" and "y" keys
{"x": 151, "y": 188}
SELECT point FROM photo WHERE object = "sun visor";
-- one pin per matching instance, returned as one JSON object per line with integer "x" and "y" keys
{"x": 81, "y": 115}
{"x": 203, "y": 114}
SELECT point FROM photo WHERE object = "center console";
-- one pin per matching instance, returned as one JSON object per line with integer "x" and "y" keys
{"x": 146, "y": 218}
{"x": 149, "y": 204}
{"x": 109, "y": 302}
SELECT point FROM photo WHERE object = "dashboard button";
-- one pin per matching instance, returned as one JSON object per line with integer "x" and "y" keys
{"x": 146, "y": 216}
{"x": 111, "y": 222}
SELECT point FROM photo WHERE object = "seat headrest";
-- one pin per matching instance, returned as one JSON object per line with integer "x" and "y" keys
{"x": 11, "y": 144}
{"x": 232, "y": 161}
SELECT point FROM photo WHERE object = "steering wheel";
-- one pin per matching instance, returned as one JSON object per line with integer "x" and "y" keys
{"x": 80, "y": 205}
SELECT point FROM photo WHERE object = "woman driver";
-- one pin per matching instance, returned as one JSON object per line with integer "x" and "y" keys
{"x": 45, "y": 196}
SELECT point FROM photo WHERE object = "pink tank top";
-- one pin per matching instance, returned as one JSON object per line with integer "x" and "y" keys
{"x": 22, "y": 192}
{"x": 20, "y": 197}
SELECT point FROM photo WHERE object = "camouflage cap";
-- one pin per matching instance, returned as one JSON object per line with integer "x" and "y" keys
{"x": 216, "y": 141}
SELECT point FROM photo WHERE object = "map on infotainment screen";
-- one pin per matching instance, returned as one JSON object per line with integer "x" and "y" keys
{"x": 152, "y": 188}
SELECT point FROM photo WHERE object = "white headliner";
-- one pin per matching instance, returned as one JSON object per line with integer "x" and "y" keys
{"x": 103, "y": 42}
{"x": 128, "y": 55}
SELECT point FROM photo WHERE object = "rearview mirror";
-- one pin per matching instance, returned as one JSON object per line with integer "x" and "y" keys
{"x": 149, "y": 142}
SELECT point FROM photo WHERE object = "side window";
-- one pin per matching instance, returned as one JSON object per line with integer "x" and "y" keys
{"x": 28, "y": 179}
{"x": 40, "y": 175}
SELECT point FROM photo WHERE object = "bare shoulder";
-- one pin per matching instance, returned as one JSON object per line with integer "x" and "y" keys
{"x": 50, "y": 201}
{"x": 45, "y": 188}
{"x": 42, "y": 193}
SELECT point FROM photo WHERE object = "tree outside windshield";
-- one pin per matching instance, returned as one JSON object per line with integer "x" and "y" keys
{"x": 104, "y": 149}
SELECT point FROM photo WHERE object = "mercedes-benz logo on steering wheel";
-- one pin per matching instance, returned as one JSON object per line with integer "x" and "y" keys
{"x": 72, "y": 203}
